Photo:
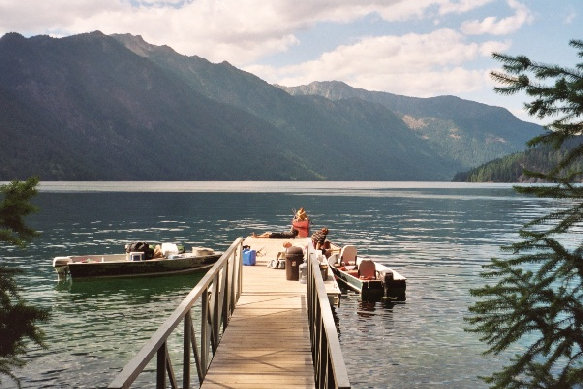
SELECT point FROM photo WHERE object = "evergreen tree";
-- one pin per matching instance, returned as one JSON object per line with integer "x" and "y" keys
{"x": 17, "y": 319}
{"x": 536, "y": 294}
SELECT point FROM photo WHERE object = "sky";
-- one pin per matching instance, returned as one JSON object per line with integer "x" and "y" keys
{"x": 420, "y": 48}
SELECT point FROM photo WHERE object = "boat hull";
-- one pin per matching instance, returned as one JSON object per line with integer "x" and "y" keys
{"x": 382, "y": 287}
{"x": 367, "y": 288}
{"x": 111, "y": 269}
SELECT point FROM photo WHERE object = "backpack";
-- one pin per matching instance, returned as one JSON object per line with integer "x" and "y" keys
{"x": 142, "y": 247}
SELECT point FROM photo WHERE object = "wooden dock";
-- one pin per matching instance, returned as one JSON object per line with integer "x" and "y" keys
{"x": 277, "y": 333}
{"x": 267, "y": 341}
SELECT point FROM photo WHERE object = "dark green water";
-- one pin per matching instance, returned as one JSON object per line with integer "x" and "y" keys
{"x": 436, "y": 234}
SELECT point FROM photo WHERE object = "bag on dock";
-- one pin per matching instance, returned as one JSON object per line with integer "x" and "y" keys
{"x": 279, "y": 262}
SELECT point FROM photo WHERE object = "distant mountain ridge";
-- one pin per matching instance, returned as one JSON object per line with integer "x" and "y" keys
{"x": 469, "y": 132}
{"x": 98, "y": 107}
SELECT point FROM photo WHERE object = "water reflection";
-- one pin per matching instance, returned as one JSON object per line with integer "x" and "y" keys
{"x": 127, "y": 286}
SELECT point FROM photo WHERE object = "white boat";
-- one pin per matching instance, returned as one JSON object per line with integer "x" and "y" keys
{"x": 369, "y": 278}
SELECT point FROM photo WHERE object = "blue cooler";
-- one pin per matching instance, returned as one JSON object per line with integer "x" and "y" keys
{"x": 249, "y": 257}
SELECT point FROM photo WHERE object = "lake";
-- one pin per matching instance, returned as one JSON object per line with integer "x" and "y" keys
{"x": 437, "y": 234}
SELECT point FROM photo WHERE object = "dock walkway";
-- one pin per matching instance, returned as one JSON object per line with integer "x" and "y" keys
{"x": 267, "y": 341}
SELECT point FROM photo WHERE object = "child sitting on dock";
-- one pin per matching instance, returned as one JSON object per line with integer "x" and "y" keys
{"x": 319, "y": 237}
{"x": 278, "y": 235}
{"x": 327, "y": 249}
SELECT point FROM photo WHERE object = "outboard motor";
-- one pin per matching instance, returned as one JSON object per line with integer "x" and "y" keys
{"x": 394, "y": 289}
{"x": 388, "y": 280}
{"x": 61, "y": 267}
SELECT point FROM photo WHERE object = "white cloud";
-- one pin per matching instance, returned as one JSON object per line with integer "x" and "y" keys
{"x": 461, "y": 6}
{"x": 570, "y": 17}
{"x": 39, "y": 17}
{"x": 493, "y": 25}
{"x": 240, "y": 31}
{"x": 412, "y": 64}
{"x": 245, "y": 31}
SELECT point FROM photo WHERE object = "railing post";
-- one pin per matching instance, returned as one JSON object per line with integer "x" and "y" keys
{"x": 239, "y": 256}
{"x": 204, "y": 332}
{"x": 195, "y": 352}
{"x": 186, "y": 352}
{"x": 324, "y": 359}
{"x": 225, "y": 296}
{"x": 161, "y": 367}
{"x": 170, "y": 369}
{"x": 234, "y": 286}
{"x": 215, "y": 314}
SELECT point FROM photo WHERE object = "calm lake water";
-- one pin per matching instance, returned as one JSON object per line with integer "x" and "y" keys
{"x": 436, "y": 234}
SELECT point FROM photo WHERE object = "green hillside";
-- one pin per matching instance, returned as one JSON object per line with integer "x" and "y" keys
{"x": 468, "y": 132}
{"x": 511, "y": 168}
{"x": 98, "y": 107}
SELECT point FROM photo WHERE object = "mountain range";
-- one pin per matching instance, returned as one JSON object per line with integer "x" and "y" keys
{"x": 114, "y": 107}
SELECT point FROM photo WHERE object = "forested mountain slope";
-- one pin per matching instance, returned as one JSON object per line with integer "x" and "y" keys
{"x": 469, "y": 132}
{"x": 98, "y": 107}
{"x": 511, "y": 168}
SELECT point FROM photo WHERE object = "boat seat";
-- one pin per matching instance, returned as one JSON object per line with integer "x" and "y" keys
{"x": 367, "y": 270}
{"x": 333, "y": 260}
{"x": 348, "y": 255}
{"x": 353, "y": 272}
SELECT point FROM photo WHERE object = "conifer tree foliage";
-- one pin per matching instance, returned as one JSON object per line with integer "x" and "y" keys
{"x": 535, "y": 296}
{"x": 18, "y": 320}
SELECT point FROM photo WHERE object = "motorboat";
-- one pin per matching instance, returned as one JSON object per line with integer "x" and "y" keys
{"x": 134, "y": 263}
{"x": 365, "y": 276}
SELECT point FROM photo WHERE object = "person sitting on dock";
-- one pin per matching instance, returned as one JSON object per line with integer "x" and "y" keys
{"x": 327, "y": 248}
{"x": 301, "y": 214}
{"x": 319, "y": 237}
{"x": 278, "y": 235}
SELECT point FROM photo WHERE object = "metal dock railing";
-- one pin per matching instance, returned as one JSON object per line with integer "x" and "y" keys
{"x": 272, "y": 332}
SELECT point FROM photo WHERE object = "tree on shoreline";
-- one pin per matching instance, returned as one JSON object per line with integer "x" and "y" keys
{"x": 536, "y": 294}
{"x": 17, "y": 319}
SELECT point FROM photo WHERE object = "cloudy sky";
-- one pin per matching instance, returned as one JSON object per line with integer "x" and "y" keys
{"x": 411, "y": 47}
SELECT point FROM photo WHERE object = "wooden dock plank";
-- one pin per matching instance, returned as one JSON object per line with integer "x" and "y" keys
{"x": 267, "y": 342}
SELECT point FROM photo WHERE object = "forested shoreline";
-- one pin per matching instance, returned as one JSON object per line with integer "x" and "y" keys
{"x": 511, "y": 168}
